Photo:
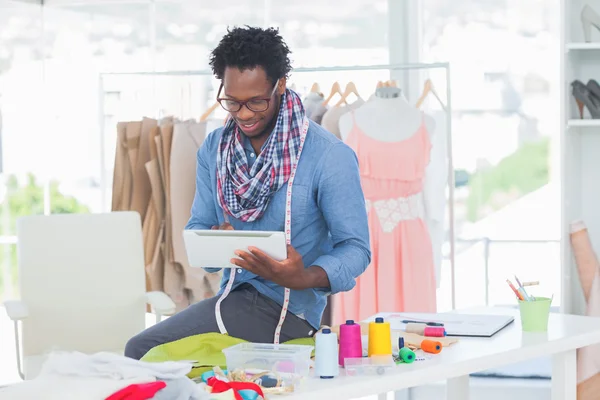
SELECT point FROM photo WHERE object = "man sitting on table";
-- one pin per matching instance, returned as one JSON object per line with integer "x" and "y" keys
{"x": 243, "y": 171}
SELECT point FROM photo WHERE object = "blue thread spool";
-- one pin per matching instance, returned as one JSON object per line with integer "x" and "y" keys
{"x": 207, "y": 375}
{"x": 400, "y": 343}
{"x": 248, "y": 394}
{"x": 326, "y": 354}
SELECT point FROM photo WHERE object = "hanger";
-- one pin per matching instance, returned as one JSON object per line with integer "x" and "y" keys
{"x": 428, "y": 88}
{"x": 350, "y": 89}
{"x": 207, "y": 113}
{"x": 335, "y": 88}
{"x": 315, "y": 88}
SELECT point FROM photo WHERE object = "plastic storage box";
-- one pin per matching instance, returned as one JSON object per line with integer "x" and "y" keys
{"x": 288, "y": 362}
{"x": 374, "y": 365}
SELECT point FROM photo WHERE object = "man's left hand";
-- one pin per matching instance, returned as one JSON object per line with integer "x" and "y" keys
{"x": 288, "y": 273}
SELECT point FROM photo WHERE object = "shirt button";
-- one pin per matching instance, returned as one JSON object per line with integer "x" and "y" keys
{"x": 239, "y": 270}
{"x": 252, "y": 155}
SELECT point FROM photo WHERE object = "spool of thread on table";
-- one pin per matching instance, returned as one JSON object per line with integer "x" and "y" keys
{"x": 326, "y": 354}
{"x": 415, "y": 327}
{"x": 434, "y": 331}
{"x": 400, "y": 342}
{"x": 350, "y": 341}
{"x": 380, "y": 338}
{"x": 407, "y": 355}
{"x": 431, "y": 346}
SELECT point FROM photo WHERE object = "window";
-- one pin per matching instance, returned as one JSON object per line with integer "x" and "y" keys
{"x": 505, "y": 136}
{"x": 22, "y": 127}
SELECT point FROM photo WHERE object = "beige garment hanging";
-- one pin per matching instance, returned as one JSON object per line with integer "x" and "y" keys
{"x": 122, "y": 177}
{"x": 174, "y": 280}
{"x": 141, "y": 183}
{"x": 187, "y": 138}
{"x": 155, "y": 219}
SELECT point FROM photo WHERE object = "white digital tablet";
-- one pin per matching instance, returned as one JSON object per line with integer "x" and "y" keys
{"x": 213, "y": 248}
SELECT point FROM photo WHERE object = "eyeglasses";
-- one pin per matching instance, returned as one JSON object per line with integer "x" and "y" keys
{"x": 255, "y": 104}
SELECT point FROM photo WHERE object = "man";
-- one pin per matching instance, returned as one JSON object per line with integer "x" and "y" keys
{"x": 243, "y": 171}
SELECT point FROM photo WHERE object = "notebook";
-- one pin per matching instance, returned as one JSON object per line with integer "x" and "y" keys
{"x": 470, "y": 325}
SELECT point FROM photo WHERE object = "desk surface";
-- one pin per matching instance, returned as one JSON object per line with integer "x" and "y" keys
{"x": 510, "y": 345}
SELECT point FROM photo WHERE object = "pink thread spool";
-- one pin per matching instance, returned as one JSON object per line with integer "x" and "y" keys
{"x": 350, "y": 341}
{"x": 434, "y": 331}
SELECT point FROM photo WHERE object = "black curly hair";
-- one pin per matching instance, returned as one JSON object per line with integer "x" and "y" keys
{"x": 250, "y": 47}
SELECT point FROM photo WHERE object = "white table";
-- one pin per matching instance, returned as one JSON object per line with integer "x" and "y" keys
{"x": 566, "y": 333}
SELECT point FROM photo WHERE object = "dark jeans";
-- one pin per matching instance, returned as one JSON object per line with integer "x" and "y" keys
{"x": 246, "y": 313}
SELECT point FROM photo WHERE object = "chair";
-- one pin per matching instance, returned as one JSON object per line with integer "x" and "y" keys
{"x": 82, "y": 285}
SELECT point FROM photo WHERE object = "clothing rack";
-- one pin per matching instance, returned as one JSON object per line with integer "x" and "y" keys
{"x": 390, "y": 67}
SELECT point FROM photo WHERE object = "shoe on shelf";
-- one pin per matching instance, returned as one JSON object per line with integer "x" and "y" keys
{"x": 589, "y": 18}
{"x": 594, "y": 87}
{"x": 585, "y": 99}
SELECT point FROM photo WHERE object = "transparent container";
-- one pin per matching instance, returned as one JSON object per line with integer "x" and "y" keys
{"x": 285, "y": 362}
{"x": 374, "y": 365}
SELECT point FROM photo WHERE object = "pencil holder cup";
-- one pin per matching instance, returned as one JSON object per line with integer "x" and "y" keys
{"x": 534, "y": 314}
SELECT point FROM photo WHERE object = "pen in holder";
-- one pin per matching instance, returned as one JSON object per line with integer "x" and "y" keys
{"x": 534, "y": 314}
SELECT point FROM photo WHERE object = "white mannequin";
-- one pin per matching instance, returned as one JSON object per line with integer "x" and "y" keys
{"x": 394, "y": 120}
{"x": 387, "y": 119}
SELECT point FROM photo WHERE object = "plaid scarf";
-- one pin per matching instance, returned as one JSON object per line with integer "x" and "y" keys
{"x": 244, "y": 192}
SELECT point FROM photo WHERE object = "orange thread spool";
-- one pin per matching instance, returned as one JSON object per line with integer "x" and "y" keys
{"x": 431, "y": 346}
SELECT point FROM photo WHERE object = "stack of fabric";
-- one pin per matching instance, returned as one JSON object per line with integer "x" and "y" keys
{"x": 107, "y": 376}
{"x": 155, "y": 175}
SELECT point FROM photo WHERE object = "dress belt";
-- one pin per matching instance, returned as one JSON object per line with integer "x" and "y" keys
{"x": 396, "y": 209}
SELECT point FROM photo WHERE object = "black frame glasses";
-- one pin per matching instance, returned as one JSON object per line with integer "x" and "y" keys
{"x": 257, "y": 104}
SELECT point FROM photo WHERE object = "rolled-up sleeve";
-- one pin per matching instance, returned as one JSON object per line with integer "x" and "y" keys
{"x": 203, "y": 214}
{"x": 341, "y": 200}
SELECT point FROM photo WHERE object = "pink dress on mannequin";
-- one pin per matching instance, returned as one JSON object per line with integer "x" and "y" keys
{"x": 401, "y": 276}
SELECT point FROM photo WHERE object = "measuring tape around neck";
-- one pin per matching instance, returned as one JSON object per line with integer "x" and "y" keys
{"x": 288, "y": 239}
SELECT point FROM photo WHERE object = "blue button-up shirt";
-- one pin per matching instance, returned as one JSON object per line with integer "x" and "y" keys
{"x": 329, "y": 218}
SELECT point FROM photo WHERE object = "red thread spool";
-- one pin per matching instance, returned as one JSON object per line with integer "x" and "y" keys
{"x": 431, "y": 346}
{"x": 434, "y": 331}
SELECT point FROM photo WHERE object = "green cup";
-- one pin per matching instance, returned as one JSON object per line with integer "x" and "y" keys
{"x": 534, "y": 314}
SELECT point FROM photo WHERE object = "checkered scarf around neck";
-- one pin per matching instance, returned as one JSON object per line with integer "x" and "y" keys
{"x": 244, "y": 192}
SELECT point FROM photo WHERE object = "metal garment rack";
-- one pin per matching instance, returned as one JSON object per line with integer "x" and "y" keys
{"x": 390, "y": 67}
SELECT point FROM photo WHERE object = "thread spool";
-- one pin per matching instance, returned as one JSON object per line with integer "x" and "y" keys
{"x": 400, "y": 342}
{"x": 350, "y": 341}
{"x": 434, "y": 331}
{"x": 407, "y": 355}
{"x": 415, "y": 327}
{"x": 380, "y": 338}
{"x": 326, "y": 354}
{"x": 431, "y": 346}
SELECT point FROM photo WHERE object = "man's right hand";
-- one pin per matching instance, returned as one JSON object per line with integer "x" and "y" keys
{"x": 224, "y": 227}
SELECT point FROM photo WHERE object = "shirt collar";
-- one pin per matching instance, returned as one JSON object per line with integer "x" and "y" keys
{"x": 248, "y": 146}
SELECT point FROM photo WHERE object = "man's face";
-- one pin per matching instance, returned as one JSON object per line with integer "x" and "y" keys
{"x": 252, "y": 86}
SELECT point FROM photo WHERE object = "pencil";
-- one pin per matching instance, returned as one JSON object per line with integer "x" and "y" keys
{"x": 519, "y": 296}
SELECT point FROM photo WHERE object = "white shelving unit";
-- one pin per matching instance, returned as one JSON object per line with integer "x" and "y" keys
{"x": 580, "y": 144}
